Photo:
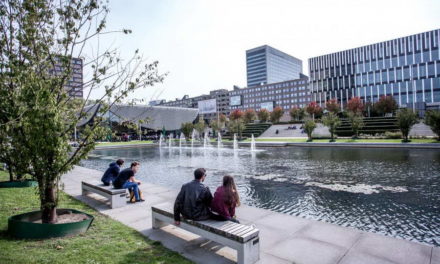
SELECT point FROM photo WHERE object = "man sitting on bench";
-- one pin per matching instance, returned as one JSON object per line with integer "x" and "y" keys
{"x": 194, "y": 199}
{"x": 126, "y": 180}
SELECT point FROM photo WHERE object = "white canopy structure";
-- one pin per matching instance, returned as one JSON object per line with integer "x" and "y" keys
{"x": 151, "y": 117}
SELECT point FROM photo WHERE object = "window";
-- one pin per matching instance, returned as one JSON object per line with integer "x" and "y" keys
{"x": 406, "y": 74}
{"x": 422, "y": 70}
{"x": 391, "y": 75}
{"x": 431, "y": 70}
{"x": 398, "y": 74}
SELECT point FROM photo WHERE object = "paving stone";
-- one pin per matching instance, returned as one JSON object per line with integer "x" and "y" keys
{"x": 361, "y": 258}
{"x": 392, "y": 249}
{"x": 435, "y": 257}
{"x": 332, "y": 234}
{"x": 271, "y": 259}
{"x": 251, "y": 214}
{"x": 289, "y": 224}
{"x": 307, "y": 251}
{"x": 283, "y": 238}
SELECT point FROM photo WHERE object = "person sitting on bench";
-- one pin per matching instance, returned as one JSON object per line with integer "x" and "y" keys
{"x": 126, "y": 180}
{"x": 225, "y": 200}
{"x": 112, "y": 172}
{"x": 194, "y": 199}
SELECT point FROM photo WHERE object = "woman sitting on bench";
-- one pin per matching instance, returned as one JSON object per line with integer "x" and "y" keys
{"x": 225, "y": 200}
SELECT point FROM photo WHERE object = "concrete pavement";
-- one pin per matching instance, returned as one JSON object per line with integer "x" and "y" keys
{"x": 284, "y": 238}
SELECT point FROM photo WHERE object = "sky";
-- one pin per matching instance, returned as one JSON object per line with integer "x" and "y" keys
{"x": 202, "y": 44}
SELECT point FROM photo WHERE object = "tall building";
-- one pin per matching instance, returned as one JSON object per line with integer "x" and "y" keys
{"x": 266, "y": 65}
{"x": 406, "y": 68}
{"x": 287, "y": 95}
{"x": 74, "y": 85}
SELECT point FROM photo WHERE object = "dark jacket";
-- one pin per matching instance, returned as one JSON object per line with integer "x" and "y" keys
{"x": 111, "y": 173}
{"x": 193, "y": 202}
{"x": 219, "y": 206}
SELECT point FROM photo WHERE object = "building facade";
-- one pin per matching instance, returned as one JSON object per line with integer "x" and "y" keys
{"x": 74, "y": 85}
{"x": 266, "y": 65}
{"x": 406, "y": 68}
{"x": 287, "y": 95}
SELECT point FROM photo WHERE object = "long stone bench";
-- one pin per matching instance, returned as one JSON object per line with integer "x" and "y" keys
{"x": 117, "y": 197}
{"x": 243, "y": 238}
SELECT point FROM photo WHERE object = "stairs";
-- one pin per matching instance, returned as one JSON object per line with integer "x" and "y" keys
{"x": 372, "y": 125}
{"x": 252, "y": 128}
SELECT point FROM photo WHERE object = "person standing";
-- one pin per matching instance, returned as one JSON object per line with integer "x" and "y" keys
{"x": 194, "y": 199}
{"x": 225, "y": 200}
{"x": 126, "y": 180}
{"x": 112, "y": 172}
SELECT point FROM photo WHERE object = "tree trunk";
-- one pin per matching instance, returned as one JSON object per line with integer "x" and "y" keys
{"x": 49, "y": 213}
{"x": 11, "y": 173}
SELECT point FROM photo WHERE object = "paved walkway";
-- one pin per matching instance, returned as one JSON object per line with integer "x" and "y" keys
{"x": 284, "y": 238}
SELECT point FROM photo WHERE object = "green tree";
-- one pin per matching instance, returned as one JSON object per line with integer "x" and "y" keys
{"x": 186, "y": 129}
{"x": 357, "y": 123}
{"x": 38, "y": 115}
{"x": 432, "y": 119}
{"x": 236, "y": 126}
{"x": 249, "y": 115}
{"x": 276, "y": 114}
{"x": 263, "y": 115}
{"x": 406, "y": 118}
{"x": 309, "y": 126}
{"x": 331, "y": 120}
{"x": 200, "y": 125}
{"x": 297, "y": 114}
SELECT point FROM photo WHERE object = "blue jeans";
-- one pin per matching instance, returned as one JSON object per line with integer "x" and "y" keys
{"x": 133, "y": 186}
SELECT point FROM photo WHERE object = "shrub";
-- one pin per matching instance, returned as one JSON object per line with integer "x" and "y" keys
{"x": 357, "y": 122}
{"x": 432, "y": 119}
{"x": 331, "y": 120}
{"x": 309, "y": 126}
{"x": 406, "y": 118}
{"x": 393, "y": 135}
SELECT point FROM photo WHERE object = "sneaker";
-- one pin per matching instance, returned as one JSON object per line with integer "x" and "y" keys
{"x": 141, "y": 200}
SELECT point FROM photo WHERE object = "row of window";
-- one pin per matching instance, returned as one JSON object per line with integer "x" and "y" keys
{"x": 416, "y": 43}
{"x": 376, "y": 65}
{"x": 415, "y": 72}
{"x": 426, "y": 89}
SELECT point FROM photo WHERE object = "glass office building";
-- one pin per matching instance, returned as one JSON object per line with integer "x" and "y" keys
{"x": 265, "y": 65}
{"x": 406, "y": 68}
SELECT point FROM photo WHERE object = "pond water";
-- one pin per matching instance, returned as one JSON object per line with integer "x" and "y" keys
{"x": 389, "y": 191}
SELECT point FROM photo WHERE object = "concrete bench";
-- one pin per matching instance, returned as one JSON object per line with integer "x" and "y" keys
{"x": 117, "y": 197}
{"x": 243, "y": 238}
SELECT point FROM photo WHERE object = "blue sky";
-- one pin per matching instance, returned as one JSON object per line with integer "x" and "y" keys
{"x": 202, "y": 44}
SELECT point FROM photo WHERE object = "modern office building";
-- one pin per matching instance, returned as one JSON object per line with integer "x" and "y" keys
{"x": 74, "y": 85}
{"x": 406, "y": 68}
{"x": 265, "y": 65}
{"x": 287, "y": 95}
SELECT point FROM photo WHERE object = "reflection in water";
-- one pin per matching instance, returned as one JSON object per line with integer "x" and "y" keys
{"x": 389, "y": 191}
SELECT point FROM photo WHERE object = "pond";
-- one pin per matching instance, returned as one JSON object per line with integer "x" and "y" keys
{"x": 394, "y": 192}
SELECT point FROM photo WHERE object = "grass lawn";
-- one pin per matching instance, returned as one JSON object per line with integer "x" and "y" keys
{"x": 346, "y": 140}
{"x": 133, "y": 142}
{"x": 107, "y": 241}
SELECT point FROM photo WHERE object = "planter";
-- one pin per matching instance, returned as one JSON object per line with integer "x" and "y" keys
{"x": 22, "y": 226}
{"x": 18, "y": 184}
